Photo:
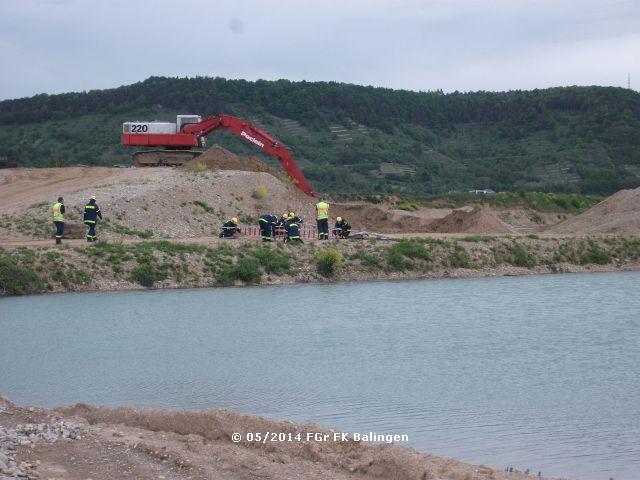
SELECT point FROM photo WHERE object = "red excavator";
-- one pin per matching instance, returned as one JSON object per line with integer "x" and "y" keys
{"x": 190, "y": 131}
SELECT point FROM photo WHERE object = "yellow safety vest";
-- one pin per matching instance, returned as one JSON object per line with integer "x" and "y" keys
{"x": 323, "y": 210}
{"x": 58, "y": 216}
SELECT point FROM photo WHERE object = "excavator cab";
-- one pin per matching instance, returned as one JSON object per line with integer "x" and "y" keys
{"x": 184, "y": 120}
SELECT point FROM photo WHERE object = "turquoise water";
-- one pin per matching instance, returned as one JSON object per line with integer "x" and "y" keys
{"x": 538, "y": 372}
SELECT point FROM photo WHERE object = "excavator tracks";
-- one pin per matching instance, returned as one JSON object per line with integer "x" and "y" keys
{"x": 163, "y": 158}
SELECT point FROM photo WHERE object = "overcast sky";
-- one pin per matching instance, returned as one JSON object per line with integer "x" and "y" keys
{"x": 55, "y": 46}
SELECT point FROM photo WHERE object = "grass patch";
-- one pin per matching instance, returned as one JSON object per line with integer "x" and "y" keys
{"x": 35, "y": 227}
{"x": 273, "y": 261}
{"x": 539, "y": 201}
{"x": 411, "y": 249}
{"x": 409, "y": 207}
{"x": 477, "y": 238}
{"x": 367, "y": 259}
{"x": 203, "y": 206}
{"x": 595, "y": 254}
{"x": 401, "y": 254}
{"x": 123, "y": 230}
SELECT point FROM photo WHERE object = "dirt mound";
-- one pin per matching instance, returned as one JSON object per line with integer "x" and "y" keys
{"x": 471, "y": 219}
{"x": 620, "y": 213}
{"x": 381, "y": 218}
{"x": 219, "y": 158}
{"x": 23, "y": 186}
{"x": 366, "y": 217}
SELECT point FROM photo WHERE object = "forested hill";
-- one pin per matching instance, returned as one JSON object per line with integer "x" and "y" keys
{"x": 361, "y": 139}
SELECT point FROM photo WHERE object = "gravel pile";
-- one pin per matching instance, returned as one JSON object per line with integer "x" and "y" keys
{"x": 26, "y": 434}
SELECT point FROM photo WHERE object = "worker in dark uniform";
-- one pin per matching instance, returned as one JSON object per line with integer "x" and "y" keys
{"x": 58, "y": 219}
{"x": 295, "y": 217}
{"x": 293, "y": 229}
{"x": 230, "y": 228}
{"x": 268, "y": 225}
{"x": 281, "y": 227}
{"x": 343, "y": 226}
{"x": 91, "y": 215}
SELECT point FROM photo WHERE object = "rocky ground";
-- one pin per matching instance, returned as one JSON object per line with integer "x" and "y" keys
{"x": 83, "y": 442}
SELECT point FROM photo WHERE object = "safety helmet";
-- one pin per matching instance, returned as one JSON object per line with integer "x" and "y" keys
{"x": 285, "y": 214}
{"x": 234, "y": 220}
{"x": 338, "y": 219}
{"x": 93, "y": 197}
{"x": 292, "y": 214}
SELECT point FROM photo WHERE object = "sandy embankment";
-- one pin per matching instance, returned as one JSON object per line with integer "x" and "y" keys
{"x": 82, "y": 441}
{"x": 190, "y": 202}
{"x": 194, "y": 200}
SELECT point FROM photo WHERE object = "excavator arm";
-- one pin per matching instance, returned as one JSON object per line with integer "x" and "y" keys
{"x": 254, "y": 135}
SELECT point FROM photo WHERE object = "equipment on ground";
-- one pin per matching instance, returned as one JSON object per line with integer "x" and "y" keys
{"x": 190, "y": 131}
{"x": 6, "y": 163}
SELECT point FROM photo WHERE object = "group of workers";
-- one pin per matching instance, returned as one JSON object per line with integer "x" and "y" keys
{"x": 91, "y": 214}
{"x": 289, "y": 225}
{"x": 270, "y": 225}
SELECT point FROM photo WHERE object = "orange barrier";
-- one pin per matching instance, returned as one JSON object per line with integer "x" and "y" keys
{"x": 305, "y": 232}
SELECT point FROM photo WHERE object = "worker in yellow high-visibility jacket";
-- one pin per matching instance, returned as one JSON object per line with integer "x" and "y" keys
{"x": 322, "y": 216}
{"x": 58, "y": 218}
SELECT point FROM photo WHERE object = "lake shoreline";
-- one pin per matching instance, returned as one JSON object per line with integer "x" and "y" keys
{"x": 157, "y": 265}
{"x": 84, "y": 441}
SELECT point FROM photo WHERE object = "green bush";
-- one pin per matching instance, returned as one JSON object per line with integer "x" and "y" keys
{"x": 328, "y": 262}
{"x": 147, "y": 274}
{"x": 225, "y": 276}
{"x": 459, "y": 257}
{"x": 260, "y": 192}
{"x": 595, "y": 255}
{"x": 247, "y": 270}
{"x": 200, "y": 167}
{"x": 18, "y": 280}
{"x": 397, "y": 262}
{"x": 521, "y": 257}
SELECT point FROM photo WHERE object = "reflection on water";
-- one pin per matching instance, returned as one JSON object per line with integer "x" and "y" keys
{"x": 534, "y": 372}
